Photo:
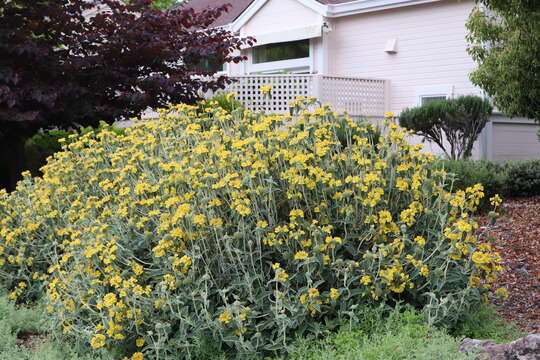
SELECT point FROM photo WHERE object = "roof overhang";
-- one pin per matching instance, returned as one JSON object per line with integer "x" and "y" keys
{"x": 365, "y": 6}
{"x": 332, "y": 10}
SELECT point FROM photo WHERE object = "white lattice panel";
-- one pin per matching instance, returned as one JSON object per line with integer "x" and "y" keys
{"x": 284, "y": 89}
{"x": 357, "y": 96}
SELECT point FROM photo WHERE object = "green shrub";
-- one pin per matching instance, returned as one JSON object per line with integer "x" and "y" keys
{"x": 225, "y": 101}
{"x": 40, "y": 146}
{"x": 238, "y": 230}
{"x": 456, "y": 123}
{"x": 523, "y": 178}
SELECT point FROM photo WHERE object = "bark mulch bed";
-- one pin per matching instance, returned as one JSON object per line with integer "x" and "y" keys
{"x": 516, "y": 235}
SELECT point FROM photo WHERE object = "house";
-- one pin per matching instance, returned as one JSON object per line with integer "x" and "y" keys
{"x": 365, "y": 56}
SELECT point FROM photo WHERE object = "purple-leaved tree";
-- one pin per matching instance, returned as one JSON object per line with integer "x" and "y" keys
{"x": 62, "y": 63}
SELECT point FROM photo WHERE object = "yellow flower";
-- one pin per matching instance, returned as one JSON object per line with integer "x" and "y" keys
{"x": 480, "y": 257}
{"x": 262, "y": 224}
{"x": 495, "y": 200}
{"x": 334, "y": 293}
{"x": 301, "y": 255}
{"x": 502, "y": 293}
{"x": 474, "y": 281}
{"x": 420, "y": 240}
{"x": 231, "y": 95}
{"x": 313, "y": 293}
{"x": 365, "y": 280}
{"x": 109, "y": 299}
{"x": 282, "y": 275}
{"x": 225, "y": 317}
{"x": 240, "y": 332}
{"x": 97, "y": 341}
{"x": 389, "y": 115}
{"x": 199, "y": 219}
{"x": 266, "y": 89}
{"x": 385, "y": 216}
{"x": 276, "y": 266}
{"x": 139, "y": 342}
{"x": 424, "y": 271}
{"x": 137, "y": 356}
{"x": 216, "y": 222}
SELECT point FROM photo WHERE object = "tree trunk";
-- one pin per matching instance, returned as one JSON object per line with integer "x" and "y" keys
{"x": 13, "y": 159}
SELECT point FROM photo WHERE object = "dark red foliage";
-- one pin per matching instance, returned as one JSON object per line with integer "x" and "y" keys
{"x": 63, "y": 63}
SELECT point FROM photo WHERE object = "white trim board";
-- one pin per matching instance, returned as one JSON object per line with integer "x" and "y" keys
{"x": 258, "y": 4}
{"x": 364, "y": 6}
{"x": 293, "y": 34}
{"x": 332, "y": 10}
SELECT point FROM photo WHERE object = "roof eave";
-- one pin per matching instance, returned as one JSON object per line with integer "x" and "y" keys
{"x": 365, "y": 6}
{"x": 332, "y": 10}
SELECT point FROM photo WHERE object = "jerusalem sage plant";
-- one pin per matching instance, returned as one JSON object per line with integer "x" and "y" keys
{"x": 241, "y": 227}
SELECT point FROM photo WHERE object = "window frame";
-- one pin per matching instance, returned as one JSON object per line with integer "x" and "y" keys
{"x": 421, "y": 92}
{"x": 298, "y": 65}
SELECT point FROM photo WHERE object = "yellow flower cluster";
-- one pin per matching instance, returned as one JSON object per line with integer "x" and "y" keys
{"x": 233, "y": 222}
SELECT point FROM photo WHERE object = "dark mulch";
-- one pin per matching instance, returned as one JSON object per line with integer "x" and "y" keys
{"x": 516, "y": 235}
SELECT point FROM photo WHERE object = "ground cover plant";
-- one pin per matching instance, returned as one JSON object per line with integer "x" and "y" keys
{"x": 381, "y": 333}
{"x": 398, "y": 336}
{"x": 239, "y": 231}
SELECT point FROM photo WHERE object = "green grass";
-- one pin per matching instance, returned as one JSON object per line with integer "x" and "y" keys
{"x": 400, "y": 334}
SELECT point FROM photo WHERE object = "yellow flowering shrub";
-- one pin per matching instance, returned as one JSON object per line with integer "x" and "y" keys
{"x": 240, "y": 227}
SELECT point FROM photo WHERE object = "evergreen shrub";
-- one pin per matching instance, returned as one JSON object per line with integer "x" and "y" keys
{"x": 241, "y": 230}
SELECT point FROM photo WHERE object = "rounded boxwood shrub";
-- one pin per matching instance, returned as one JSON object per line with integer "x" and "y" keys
{"x": 523, "y": 178}
{"x": 238, "y": 230}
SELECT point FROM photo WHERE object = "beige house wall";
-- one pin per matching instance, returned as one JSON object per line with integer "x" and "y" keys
{"x": 430, "y": 57}
{"x": 431, "y": 48}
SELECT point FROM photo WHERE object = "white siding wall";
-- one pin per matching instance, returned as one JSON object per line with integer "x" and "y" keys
{"x": 430, "y": 42}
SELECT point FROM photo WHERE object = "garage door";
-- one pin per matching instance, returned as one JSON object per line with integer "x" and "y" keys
{"x": 515, "y": 141}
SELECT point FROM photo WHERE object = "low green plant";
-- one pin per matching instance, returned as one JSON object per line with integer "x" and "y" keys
{"x": 225, "y": 101}
{"x": 482, "y": 322}
{"x": 24, "y": 335}
{"x": 401, "y": 335}
{"x": 523, "y": 178}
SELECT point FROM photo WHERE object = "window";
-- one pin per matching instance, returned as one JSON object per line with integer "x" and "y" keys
{"x": 428, "y": 99}
{"x": 209, "y": 65}
{"x": 281, "y": 51}
{"x": 426, "y": 94}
